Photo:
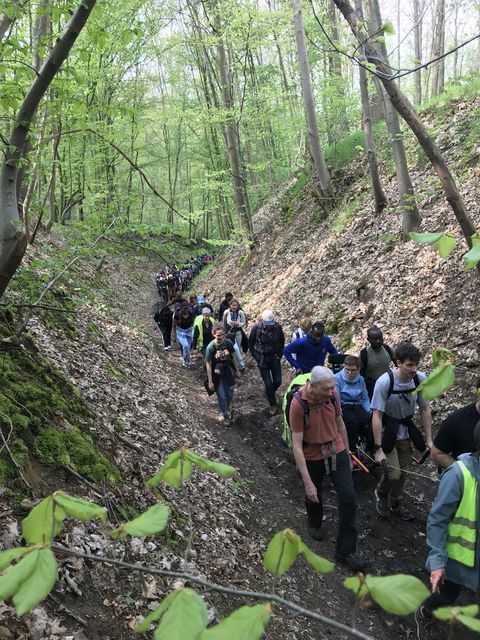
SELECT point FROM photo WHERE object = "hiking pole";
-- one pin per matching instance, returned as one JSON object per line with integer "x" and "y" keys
{"x": 359, "y": 463}
{"x": 423, "y": 458}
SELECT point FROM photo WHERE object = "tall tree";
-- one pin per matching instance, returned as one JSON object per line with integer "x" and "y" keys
{"x": 438, "y": 49}
{"x": 417, "y": 46}
{"x": 321, "y": 168}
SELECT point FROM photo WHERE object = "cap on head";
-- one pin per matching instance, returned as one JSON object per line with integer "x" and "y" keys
{"x": 267, "y": 315}
{"x": 206, "y": 311}
{"x": 321, "y": 374}
{"x": 201, "y": 299}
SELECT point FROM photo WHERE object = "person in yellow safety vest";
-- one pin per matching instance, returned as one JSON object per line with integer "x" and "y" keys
{"x": 453, "y": 533}
{"x": 202, "y": 330}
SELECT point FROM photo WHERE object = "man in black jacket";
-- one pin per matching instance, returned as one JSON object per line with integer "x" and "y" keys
{"x": 266, "y": 344}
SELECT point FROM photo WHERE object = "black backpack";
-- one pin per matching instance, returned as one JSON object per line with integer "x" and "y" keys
{"x": 364, "y": 356}
{"x": 416, "y": 382}
{"x": 266, "y": 343}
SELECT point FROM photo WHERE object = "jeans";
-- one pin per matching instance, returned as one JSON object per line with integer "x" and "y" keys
{"x": 347, "y": 508}
{"x": 271, "y": 373}
{"x": 224, "y": 395}
{"x": 184, "y": 337}
{"x": 394, "y": 483}
{"x": 237, "y": 343}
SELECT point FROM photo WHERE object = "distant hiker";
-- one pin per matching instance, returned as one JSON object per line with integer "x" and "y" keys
{"x": 178, "y": 301}
{"x": 171, "y": 286}
{"x": 266, "y": 343}
{"x": 183, "y": 325}
{"x": 455, "y": 435}
{"x": 453, "y": 533}
{"x": 222, "y": 368}
{"x": 164, "y": 318}
{"x": 233, "y": 322}
{"x": 354, "y": 401}
{"x": 201, "y": 304}
{"x": 305, "y": 325}
{"x": 375, "y": 359}
{"x": 393, "y": 406}
{"x": 320, "y": 447}
{"x": 202, "y": 330}
{"x": 309, "y": 351}
{"x": 224, "y": 306}
{"x": 192, "y": 303}
{"x": 161, "y": 282}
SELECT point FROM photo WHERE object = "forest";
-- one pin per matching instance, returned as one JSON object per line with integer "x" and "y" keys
{"x": 326, "y": 154}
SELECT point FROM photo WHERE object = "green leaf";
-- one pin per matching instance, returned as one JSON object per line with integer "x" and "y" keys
{"x": 425, "y": 238}
{"x": 356, "y": 585}
{"x": 399, "y": 594}
{"x": 172, "y": 472}
{"x": 472, "y": 258}
{"x": 246, "y": 623}
{"x": 17, "y": 574}
{"x": 446, "y": 245}
{"x": 185, "y": 618}
{"x": 387, "y": 27}
{"x": 440, "y": 380}
{"x": 156, "y": 613}
{"x": 282, "y": 551}
{"x": 317, "y": 562}
{"x": 221, "y": 469}
{"x": 38, "y": 584}
{"x": 152, "y": 521}
{"x": 83, "y": 510}
{"x": 451, "y": 613}
{"x": 37, "y": 526}
{"x": 471, "y": 623}
{"x": 441, "y": 354}
{"x": 6, "y": 557}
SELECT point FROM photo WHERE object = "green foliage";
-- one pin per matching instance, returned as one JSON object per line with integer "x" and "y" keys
{"x": 246, "y": 623}
{"x": 444, "y": 242}
{"x": 182, "y": 614}
{"x": 178, "y": 468}
{"x": 440, "y": 380}
{"x": 152, "y": 521}
{"x": 468, "y": 616}
{"x": 399, "y": 594}
{"x": 472, "y": 258}
{"x": 283, "y": 550}
{"x": 440, "y": 355}
{"x": 343, "y": 216}
{"x": 345, "y": 150}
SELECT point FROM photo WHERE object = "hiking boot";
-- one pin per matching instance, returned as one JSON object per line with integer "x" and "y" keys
{"x": 354, "y": 561}
{"x": 382, "y": 504}
{"x": 226, "y": 419}
{"x": 167, "y": 348}
{"x": 315, "y": 532}
{"x": 272, "y": 411}
{"x": 400, "y": 510}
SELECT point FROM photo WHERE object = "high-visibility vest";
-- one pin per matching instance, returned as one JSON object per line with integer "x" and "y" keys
{"x": 198, "y": 322}
{"x": 462, "y": 529}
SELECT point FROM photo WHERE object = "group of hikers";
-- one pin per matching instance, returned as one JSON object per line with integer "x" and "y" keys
{"x": 358, "y": 408}
{"x": 174, "y": 278}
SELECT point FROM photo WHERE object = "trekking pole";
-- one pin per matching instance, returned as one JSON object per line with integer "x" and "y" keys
{"x": 359, "y": 463}
{"x": 423, "y": 458}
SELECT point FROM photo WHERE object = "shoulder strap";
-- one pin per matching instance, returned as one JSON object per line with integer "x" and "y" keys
{"x": 389, "y": 351}
{"x": 392, "y": 382}
{"x": 304, "y": 404}
{"x": 416, "y": 380}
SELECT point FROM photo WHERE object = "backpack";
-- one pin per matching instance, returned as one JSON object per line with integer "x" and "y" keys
{"x": 416, "y": 382}
{"x": 364, "y": 356}
{"x": 294, "y": 392}
{"x": 390, "y": 425}
{"x": 164, "y": 315}
{"x": 266, "y": 343}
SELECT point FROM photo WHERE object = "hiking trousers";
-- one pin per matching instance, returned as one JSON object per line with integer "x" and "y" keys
{"x": 166, "y": 331}
{"x": 394, "y": 482}
{"x": 224, "y": 395}
{"x": 446, "y": 595}
{"x": 271, "y": 373}
{"x": 356, "y": 421}
{"x": 184, "y": 337}
{"x": 347, "y": 506}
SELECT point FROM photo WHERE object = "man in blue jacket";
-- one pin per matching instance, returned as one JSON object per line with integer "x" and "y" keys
{"x": 352, "y": 390}
{"x": 309, "y": 351}
{"x": 453, "y": 533}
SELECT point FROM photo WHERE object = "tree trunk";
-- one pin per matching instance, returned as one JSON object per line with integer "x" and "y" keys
{"x": 321, "y": 168}
{"x": 411, "y": 219}
{"x": 13, "y": 241}
{"x": 406, "y": 110}
{"x": 7, "y": 20}
{"x": 438, "y": 48}
{"x": 417, "y": 46}
{"x": 379, "y": 195}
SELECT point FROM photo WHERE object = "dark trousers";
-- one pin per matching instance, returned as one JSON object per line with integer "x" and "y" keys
{"x": 166, "y": 331}
{"x": 271, "y": 373}
{"x": 357, "y": 423}
{"x": 447, "y": 594}
{"x": 347, "y": 507}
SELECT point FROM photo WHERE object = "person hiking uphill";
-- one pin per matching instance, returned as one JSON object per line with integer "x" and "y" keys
{"x": 376, "y": 359}
{"x": 453, "y": 533}
{"x": 310, "y": 351}
{"x": 203, "y": 330}
{"x": 320, "y": 448}
{"x": 233, "y": 322}
{"x": 183, "y": 325}
{"x": 224, "y": 306}
{"x": 393, "y": 406}
{"x": 355, "y": 404}
{"x": 164, "y": 319}
{"x": 222, "y": 369}
{"x": 266, "y": 343}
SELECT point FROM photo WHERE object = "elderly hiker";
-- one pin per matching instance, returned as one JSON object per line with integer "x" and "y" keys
{"x": 320, "y": 448}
